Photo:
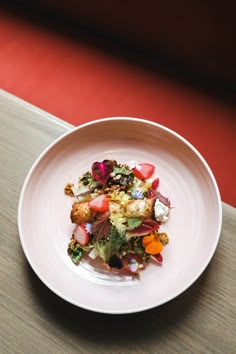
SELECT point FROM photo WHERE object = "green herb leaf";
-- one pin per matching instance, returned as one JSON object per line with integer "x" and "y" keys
{"x": 117, "y": 239}
{"x": 122, "y": 171}
{"x": 76, "y": 255}
{"x": 133, "y": 223}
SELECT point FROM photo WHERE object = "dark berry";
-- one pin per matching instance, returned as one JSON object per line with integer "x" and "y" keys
{"x": 115, "y": 262}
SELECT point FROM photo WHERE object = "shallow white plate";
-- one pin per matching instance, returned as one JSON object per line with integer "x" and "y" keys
{"x": 193, "y": 227}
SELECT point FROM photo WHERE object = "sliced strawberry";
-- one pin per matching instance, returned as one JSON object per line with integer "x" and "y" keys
{"x": 81, "y": 235}
{"x": 143, "y": 171}
{"x": 99, "y": 203}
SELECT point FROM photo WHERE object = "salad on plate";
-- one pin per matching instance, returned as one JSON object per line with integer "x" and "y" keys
{"x": 118, "y": 212}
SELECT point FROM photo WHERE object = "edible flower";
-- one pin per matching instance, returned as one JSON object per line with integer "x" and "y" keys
{"x": 152, "y": 244}
{"x": 88, "y": 227}
{"x": 137, "y": 194}
{"x": 133, "y": 265}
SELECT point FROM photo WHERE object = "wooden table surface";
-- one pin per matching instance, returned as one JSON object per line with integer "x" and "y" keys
{"x": 35, "y": 320}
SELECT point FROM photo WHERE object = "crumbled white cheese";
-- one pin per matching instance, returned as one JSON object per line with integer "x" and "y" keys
{"x": 133, "y": 164}
{"x": 161, "y": 211}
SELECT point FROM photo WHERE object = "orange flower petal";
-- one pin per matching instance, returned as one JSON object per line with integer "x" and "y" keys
{"x": 147, "y": 239}
{"x": 154, "y": 247}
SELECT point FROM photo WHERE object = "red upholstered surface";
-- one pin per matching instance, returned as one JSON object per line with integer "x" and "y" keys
{"x": 79, "y": 82}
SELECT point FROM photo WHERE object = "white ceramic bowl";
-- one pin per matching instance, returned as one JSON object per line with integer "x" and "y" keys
{"x": 193, "y": 227}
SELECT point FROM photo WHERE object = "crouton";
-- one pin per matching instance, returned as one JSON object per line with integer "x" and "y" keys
{"x": 141, "y": 208}
{"x": 81, "y": 213}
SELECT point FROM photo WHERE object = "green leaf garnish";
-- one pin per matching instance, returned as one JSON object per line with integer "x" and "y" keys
{"x": 76, "y": 255}
{"x": 117, "y": 239}
{"x": 122, "y": 170}
{"x": 103, "y": 249}
{"x": 133, "y": 223}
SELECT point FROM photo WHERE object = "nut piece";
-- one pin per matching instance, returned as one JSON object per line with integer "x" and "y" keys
{"x": 68, "y": 189}
{"x": 81, "y": 213}
{"x": 163, "y": 238}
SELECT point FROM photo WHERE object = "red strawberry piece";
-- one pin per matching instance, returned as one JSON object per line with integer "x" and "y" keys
{"x": 99, "y": 203}
{"x": 143, "y": 171}
{"x": 81, "y": 235}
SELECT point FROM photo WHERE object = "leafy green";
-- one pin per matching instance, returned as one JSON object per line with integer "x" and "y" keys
{"x": 88, "y": 180}
{"x": 103, "y": 249}
{"x": 85, "y": 186}
{"x": 123, "y": 175}
{"x": 76, "y": 254}
{"x": 102, "y": 226}
{"x": 101, "y": 170}
{"x": 117, "y": 239}
{"x": 133, "y": 223}
{"x": 122, "y": 171}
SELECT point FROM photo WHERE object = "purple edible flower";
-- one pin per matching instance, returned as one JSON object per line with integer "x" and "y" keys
{"x": 137, "y": 194}
{"x": 133, "y": 265}
{"x": 88, "y": 227}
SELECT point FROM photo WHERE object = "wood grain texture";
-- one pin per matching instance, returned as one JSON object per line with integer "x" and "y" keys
{"x": 35, "y": 320}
